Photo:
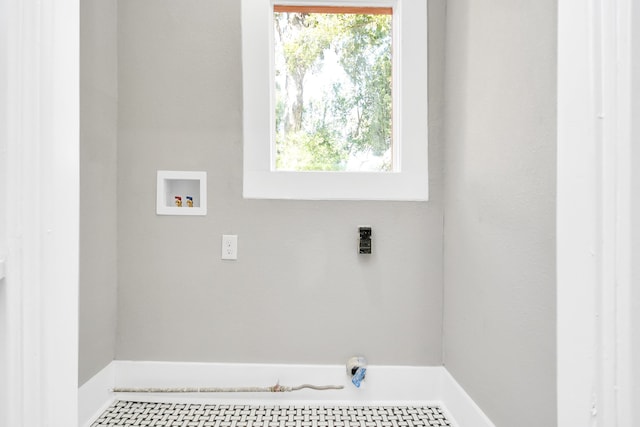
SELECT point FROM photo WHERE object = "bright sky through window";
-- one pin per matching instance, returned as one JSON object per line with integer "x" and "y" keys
{"x": 333, "y": 88}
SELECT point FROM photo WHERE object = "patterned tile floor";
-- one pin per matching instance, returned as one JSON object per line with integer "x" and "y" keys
{"x": 124, "y": 413}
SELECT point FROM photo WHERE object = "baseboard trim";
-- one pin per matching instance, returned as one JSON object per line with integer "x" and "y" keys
{"x": 398, "y": 385}
{"x": 95, "y": 395}
{"x": 459, "y": 405}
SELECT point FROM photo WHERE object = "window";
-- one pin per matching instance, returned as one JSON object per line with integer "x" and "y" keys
{"x": 335, "y": 99}
{"x": 333, "y": 88}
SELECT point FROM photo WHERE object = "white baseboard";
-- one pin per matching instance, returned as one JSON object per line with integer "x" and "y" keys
{"x": 459, "y": 405}
{"x": 384, "y": 385}
{"x": 95, "y": 395}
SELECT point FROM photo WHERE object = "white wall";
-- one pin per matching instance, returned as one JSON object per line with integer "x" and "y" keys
{"x": 4, "y": 320}
{"x": 299, "y": 293}
{"x": 635, "y": 209}
{"x": 499, "y": 258}
{"x": 98, "y": 199}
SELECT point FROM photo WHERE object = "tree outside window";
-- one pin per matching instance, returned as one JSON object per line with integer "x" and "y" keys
{"x": 333, "y": 89}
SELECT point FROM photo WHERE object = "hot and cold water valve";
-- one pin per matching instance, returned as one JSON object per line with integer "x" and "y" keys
{"x": 364, "y": 243}
{"x": 357, "y": 369}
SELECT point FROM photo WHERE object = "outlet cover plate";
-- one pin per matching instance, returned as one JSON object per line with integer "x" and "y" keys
{"x": 229, "y": 247}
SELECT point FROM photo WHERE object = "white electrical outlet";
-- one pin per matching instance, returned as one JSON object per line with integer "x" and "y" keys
{"x": 229, "y": 247}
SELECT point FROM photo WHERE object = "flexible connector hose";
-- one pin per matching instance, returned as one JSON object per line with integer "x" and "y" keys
{"x": 274, "y": 389}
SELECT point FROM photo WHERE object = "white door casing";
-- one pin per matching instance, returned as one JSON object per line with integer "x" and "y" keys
{"x": 39, "y": 181}
{"x": 595, "y": 248}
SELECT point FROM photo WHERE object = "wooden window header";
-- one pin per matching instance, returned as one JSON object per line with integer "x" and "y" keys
{"x": 334, "y": 9}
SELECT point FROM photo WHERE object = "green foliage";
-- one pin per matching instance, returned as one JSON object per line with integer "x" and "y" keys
{"x": 353, "y": 113}
{"x": 307, "y": 43}
{"x": 366, "y": 58}
{"x": 309, "y": 152}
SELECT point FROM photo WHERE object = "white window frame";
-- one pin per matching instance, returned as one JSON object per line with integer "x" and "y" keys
{"x": 409, "y": 180}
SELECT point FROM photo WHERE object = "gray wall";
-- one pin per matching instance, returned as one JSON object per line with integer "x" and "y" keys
{"x": 298, "y": 293}
{"x": 499, "y": 269}
{"x": 98, "y": 201}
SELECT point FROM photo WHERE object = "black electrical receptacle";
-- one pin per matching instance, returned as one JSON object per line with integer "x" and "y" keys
{"x": 364, "y": 245}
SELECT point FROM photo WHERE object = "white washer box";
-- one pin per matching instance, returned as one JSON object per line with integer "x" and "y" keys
{"x": 182, "y": 184}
